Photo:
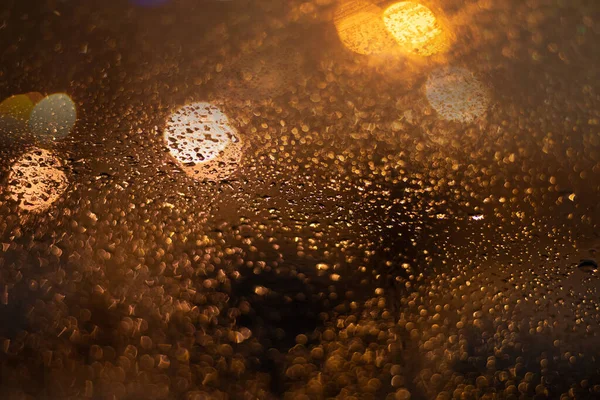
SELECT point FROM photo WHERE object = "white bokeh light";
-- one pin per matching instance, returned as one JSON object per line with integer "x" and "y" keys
{"x": 200, "y": 137}
{"x": 456, "y": 94}
{"x": 36, "y": 180}
{"x": 53, "y": 118}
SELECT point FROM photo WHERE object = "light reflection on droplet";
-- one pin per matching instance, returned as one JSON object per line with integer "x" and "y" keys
{"x": 415, "y": 28}
{"x": 456, "y": 94}
{"x": 36, "y": 180}
{"x": 201, "y": 138}
{"x": 53, "y": 118}
{"x": 261, "y": 290}
{"x": 322, "y": 267}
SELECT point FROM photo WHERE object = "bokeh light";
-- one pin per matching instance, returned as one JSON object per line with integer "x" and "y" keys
{"x": 36, "y": 180}
{"x": 415, "y": 28}
{"x": 53, "y": 118}
{"x": 20, "y": 106}
{"x": 456, "y": 94}
{"x": 14, "y": 115}
{"x": 200, "y": 137}
{"x": 361, "y": 29}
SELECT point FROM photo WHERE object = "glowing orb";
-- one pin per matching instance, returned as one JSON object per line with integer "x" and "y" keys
{"x": 19, "y": 106}
{"x": 201, "y": 138}
{"x": 14, "y": 115}
{"x": 53, "y": 118}
{"x": 36, "y": 180}
{"x": 456, "y": 94}
{"x": 360, "y": 28}
{"x": 415, "y": 28}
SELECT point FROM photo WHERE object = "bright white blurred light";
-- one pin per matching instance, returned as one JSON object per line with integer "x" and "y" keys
{"x": 53, "y": 118}
{"x": 36, "y": 180}
{"x": 456, "y": 94}
{"x": 201, "y": 138}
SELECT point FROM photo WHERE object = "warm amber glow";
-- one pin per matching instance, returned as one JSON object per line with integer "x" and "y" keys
{"x": 361, "y": 29}
{"x": 36, "y": 180}
{"x": 415, "y": 28}
{"x": 18, "y": 107}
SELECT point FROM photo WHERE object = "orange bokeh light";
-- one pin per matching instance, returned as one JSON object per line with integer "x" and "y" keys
{"x": 415, "y": 28}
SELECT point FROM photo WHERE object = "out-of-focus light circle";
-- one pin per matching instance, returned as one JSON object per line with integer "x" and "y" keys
{"x": 53, "y": 118}
{"x": 19, "y": 106}
{"x": 361, "y": 29}
{"x": 14, "y": 115}
{"x": 456, "y": 94}
{"x": 200, "y": 137}
{"x": 36, "y": 180}
{"x": 415, "y": 28}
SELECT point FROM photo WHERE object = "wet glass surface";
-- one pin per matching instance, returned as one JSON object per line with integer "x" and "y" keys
{"x": 299, "y": 200}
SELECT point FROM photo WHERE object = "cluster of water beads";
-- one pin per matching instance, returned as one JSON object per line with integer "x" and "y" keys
{"x": 163, "y": 346}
